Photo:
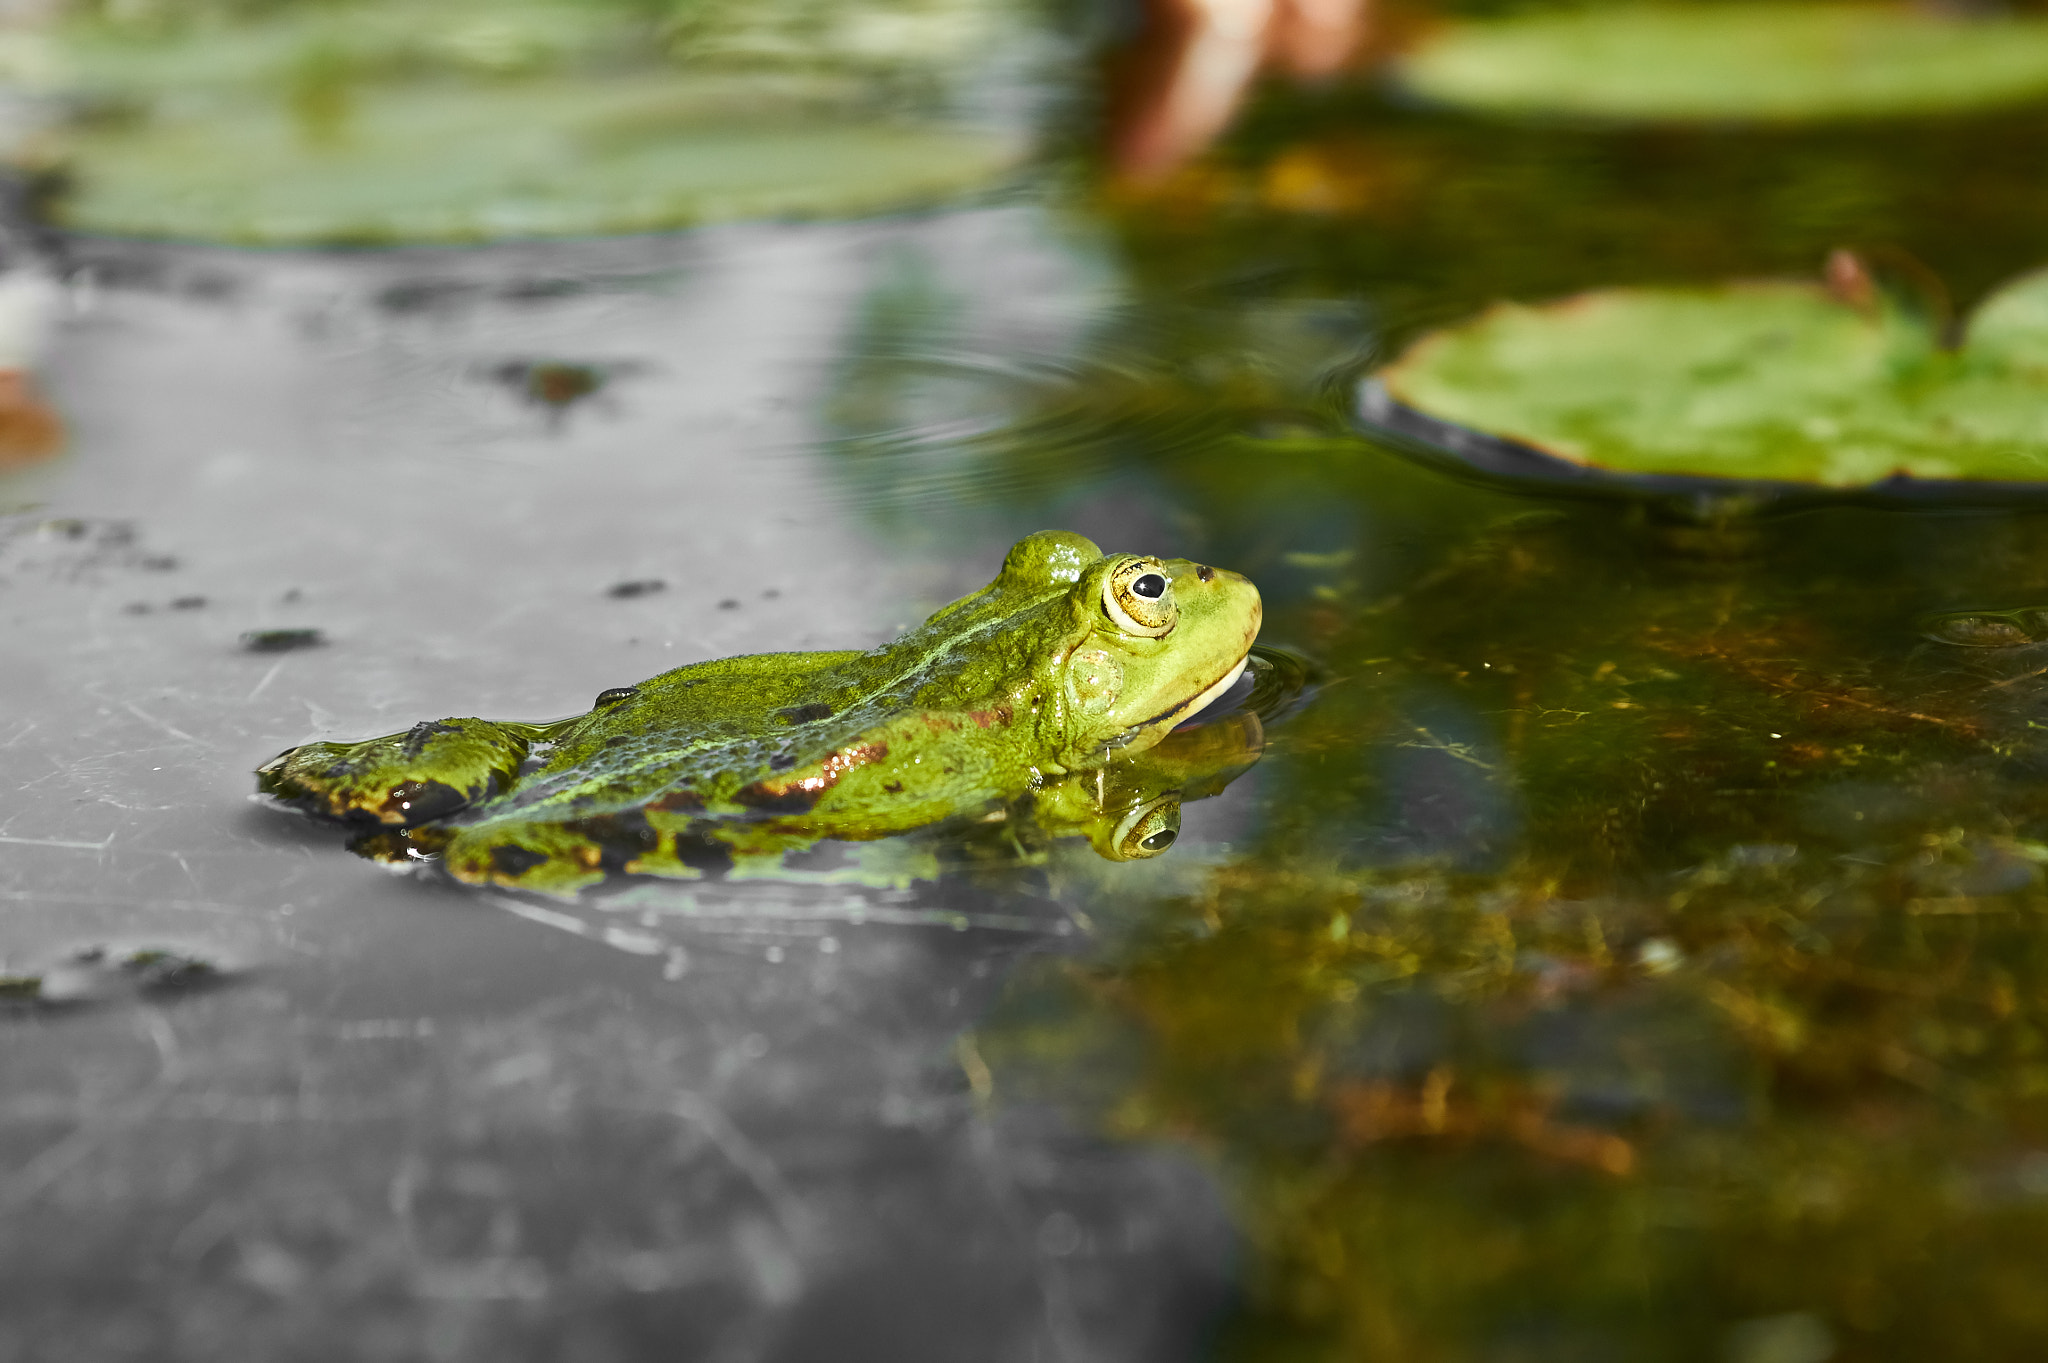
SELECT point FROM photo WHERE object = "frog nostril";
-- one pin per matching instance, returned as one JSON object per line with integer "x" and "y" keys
{"x": 1205, "y": 572}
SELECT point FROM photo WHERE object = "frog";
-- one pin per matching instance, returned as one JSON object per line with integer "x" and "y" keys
{"x": 1070, "y": 658}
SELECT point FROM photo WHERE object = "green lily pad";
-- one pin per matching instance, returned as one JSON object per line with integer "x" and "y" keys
{"x": 1764, "y": 382}
{"x": 1743, "y": 61}
{"x": 374, "y": 123}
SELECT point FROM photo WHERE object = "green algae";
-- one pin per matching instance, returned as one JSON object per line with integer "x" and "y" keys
{"x": 1732, "y": 61}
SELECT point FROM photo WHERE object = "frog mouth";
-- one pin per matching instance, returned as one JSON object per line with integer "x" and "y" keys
{"x": 1202, "y": 700}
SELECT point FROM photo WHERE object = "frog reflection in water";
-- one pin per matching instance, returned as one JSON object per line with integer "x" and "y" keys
{"x": 1069, "y": 659}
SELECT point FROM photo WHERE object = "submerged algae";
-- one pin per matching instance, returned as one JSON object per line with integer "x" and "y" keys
{"x": 1735, "y": 1003}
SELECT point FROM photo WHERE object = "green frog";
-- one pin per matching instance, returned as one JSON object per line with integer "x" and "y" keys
{"x": 1068, "y": 659}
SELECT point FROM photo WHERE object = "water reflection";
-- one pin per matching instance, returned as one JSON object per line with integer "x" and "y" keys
{"x": 1193, "y": 62}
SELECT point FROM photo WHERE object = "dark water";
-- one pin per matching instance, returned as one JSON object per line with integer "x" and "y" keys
{"x": 1634, "y": 949}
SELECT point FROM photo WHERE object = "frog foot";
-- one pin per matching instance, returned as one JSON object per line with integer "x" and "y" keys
{"x": 428, "y": 772}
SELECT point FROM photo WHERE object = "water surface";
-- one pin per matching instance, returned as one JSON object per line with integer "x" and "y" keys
{"x": 1632, "y": 950}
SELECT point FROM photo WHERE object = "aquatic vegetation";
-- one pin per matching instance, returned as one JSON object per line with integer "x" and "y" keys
{"x": 1659, "y": 952}
{"x": 1837, "y": 386}
{"x": 373, "y": 123}
{"x": 1723, "y": 61}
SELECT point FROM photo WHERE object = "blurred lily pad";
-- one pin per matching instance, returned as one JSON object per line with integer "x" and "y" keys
{"x": 1769, "y": 383}
{"x": 373, "y": 122}
{"x": 1733, "y": 61}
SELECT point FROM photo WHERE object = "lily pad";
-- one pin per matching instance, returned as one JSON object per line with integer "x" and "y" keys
{"x": 371, "y": 123}
{"x": 1770, "y": 384}
{"x": 1740, "y": 61}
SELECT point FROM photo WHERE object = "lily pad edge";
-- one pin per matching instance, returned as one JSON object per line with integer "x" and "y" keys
{"x": 1500, "y": 460}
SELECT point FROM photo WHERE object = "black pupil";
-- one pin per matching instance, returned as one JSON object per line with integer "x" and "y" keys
{"x": 1159, "y": 841}
{"x": 1151, "y": 586}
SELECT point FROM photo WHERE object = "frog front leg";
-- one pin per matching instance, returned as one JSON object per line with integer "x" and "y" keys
{"x": 430, "y": 771}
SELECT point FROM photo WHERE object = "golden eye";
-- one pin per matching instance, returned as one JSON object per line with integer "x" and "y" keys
{"x": 1138, "y": 596}
{"x": 1147, "y": 830}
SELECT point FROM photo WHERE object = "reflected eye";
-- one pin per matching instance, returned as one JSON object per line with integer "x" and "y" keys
{"x": 1147, "y": 830}
{"x": 1987, "y": 629}
{"x": 1139, "y": 598}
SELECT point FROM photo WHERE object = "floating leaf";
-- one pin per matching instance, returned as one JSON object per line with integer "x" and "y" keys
{"x": 1772, "y": 382}
{"x": 1743, "y": 61}
{"x": 366, "y": 124}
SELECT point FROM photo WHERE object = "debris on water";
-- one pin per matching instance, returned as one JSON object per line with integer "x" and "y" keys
{"x": 100, "y": 974}
{"x": 552, "y": 383}
{"x": 182, "y": 603}
{"x": 281, "y": 640}
{"x": 158, "y": 971}
{"x": 75, "y": 548}
{"x": 729, "y": 604}
{"x": 29, "y": 430}
{"x": 643, "y": 586}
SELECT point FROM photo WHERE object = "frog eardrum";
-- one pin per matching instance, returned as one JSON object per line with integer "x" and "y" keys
{"x": 1138, "y": 596}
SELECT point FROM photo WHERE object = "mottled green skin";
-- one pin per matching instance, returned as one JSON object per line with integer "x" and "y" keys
{"x": 1029, "y": 679}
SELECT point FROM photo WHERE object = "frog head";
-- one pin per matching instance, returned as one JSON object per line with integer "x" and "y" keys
{"x": 1121, "y": 647}
{"x": 1157, "y": 640}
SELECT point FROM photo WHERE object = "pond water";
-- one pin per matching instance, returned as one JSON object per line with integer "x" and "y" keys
{"x": 1632, "y": 944}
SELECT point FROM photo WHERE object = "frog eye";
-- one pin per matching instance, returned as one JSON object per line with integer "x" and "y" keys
{"x": 1138, "y": 596}
{"x": 1147, "y": 830}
